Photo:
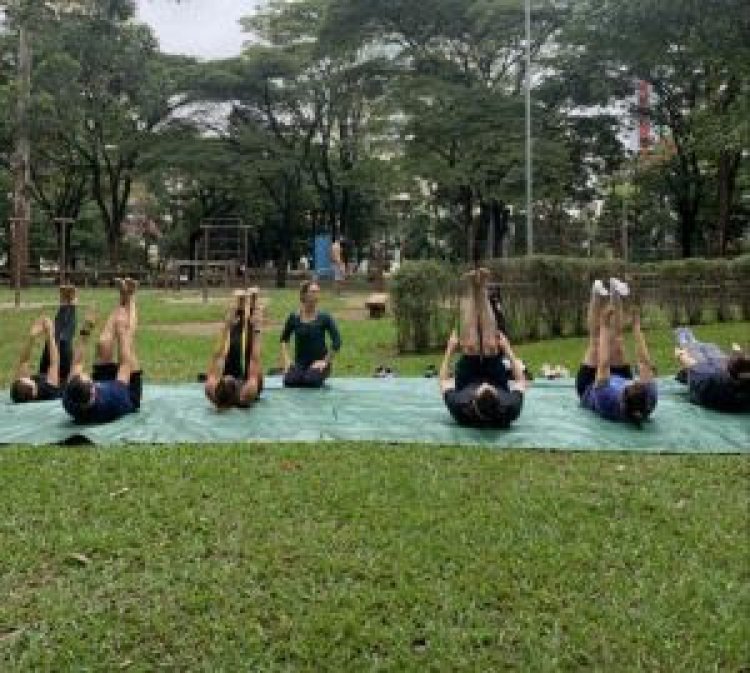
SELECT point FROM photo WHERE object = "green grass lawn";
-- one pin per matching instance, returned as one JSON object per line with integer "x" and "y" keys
{"x": 349, "y": 558}
{"x": 346, "y": 557}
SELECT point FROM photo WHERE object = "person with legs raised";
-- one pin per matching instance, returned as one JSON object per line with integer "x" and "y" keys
{"x": 481, "y": 394}
{"x": 715, "y": 379}
{"x": 57, "y": 355}
{"x": 605, "y": 383}
{"x": 115, "y": 386}
{"x": 235, "y": 377}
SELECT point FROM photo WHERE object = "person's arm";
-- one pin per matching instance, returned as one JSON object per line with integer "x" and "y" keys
{"x": 218, "y": 357}
{"x": 646, "y": 369}
{"x": 335, "y": 335}
{"x": 53, "y": 373}
{"x": 79, "y": 353}
{"x": 23, "y": 368}
{"x": 286, "y": 361}
{"x": 605, "y": 328}
{"x": 519, "y": 378}
{"x": 445, "y": 380}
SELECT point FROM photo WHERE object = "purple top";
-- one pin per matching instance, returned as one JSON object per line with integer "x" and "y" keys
{"x": 605, "y": 399}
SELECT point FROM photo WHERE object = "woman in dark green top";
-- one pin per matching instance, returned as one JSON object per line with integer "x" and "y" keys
{"x": 312, "y": 358}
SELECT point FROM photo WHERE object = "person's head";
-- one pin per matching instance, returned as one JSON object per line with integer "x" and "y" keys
{"x": 309, "y": 292}
{"x": 738, "y": 367}
{"x": 485, "y": 401}
{"x": 635, "y": 405}
{"x": 492, "y": 407}
{"x": 23, "y": 390}
{"x": 227, "y": 392}
{"x": 79, "y": 392}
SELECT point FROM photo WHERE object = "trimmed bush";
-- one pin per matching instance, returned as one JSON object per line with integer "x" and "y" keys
{"x": 425, "y": 304}
{"x": 546, "y": 296}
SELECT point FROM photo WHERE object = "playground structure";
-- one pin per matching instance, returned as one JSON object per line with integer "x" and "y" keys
{"x": 45, "y": 261}
{"x": 224, "y": 246}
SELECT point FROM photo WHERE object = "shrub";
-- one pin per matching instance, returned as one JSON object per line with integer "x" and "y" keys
{"x": 546, "y": 296}
{"x": 425, "y": 304}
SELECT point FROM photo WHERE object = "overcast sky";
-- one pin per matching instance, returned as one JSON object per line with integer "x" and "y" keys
{"x": 206, "y": 28}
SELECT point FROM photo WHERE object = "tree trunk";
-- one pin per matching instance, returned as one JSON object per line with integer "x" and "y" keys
{"x": 113, "y": 245}
{"x": 727, "y": 178}
{"x": 467, "y": 203}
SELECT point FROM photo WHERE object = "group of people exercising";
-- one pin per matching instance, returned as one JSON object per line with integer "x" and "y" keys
{"x": 486, "y": 389}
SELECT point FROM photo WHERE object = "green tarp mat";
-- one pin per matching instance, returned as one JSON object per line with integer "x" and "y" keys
{"x": 385, "y": 410}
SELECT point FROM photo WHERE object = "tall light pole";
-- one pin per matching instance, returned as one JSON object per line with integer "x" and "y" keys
{"x": 529, "y": 180}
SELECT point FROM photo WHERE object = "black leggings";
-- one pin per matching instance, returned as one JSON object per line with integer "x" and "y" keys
{"x": 301, "y": 377}
{"x": 65, "y": 330}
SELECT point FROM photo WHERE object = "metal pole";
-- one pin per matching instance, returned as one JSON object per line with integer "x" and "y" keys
{"x": 63, "y": 251}
{"x": 244, "y": 265}
{"x": 624, "y": 233}
{"x": 529, "y": 182}
{"x": 205, "y": 266}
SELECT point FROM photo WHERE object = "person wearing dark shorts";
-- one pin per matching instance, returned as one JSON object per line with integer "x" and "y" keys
{"x": 235, "y": 375}
{"x": 605, "y": 383}
{"x": 312, "y": 357}
{"x": 56, "y": 358}
{"x": 114, "y": 388}
{"x": 482, "y": 393}
{"x": 715, "y": 380}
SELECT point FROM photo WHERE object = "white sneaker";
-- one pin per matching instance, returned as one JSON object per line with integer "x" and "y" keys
{"x": 598, "y": 289}
{"x": 618, "y": 287}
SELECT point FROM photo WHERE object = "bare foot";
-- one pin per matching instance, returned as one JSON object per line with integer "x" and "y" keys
{"x": 484, "y": 275}
{"x": 90, "y": 319}
{"x": 67, "y": 294}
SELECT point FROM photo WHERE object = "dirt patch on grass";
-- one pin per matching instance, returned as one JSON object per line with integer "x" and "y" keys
{"x": 212, "y": 328}
{"x": 202, "y": 329}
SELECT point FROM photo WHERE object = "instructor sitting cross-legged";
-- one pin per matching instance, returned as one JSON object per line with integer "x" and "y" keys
{"x": 312, "y": 357}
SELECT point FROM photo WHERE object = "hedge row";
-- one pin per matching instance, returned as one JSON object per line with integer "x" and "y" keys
{"x": 546, "y": 296}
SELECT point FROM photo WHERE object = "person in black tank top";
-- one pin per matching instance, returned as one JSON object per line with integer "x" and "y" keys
{"x": 312, "y": 357}
{"x": 56, "y": 358}
{"x": 235, "y": 373}
{"x": 482, "y": 393}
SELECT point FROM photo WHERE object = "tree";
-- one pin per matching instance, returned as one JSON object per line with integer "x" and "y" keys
{"x": 694, "y": 55}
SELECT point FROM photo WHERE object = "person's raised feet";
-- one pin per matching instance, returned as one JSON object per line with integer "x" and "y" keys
{"x": 471, "y": 277}
{"x": 252, "y": 298}
{"x": 89, "y": 322}
{"x": 484, "y": 275}
{"x": 67, "y": 294}
{"x": 598, "y": 289}
{"x": 618, "y": 288}
{"x": 131, "y": 285}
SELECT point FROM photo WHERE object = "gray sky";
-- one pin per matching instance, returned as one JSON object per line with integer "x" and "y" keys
{"x": 205, "y": 28}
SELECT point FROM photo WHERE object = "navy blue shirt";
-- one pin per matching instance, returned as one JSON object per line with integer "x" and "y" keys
{"x": 711, "y": 386}
{"x": 310, "y": 337}
{"x": 111, "y": 401}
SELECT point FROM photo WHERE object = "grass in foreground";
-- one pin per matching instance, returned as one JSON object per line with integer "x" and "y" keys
{"x": 345, "y": 557}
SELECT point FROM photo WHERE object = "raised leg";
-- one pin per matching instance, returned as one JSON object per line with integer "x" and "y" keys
{"x": 594, "y": 318}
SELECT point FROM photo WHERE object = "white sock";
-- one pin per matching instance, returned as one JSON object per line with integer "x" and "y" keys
{"x": 618, "y": 287}
{"x": 598, "y": 289}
